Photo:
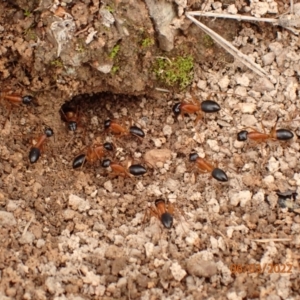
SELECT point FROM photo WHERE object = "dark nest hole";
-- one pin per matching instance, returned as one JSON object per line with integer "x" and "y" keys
{"x": 90, "y": 112}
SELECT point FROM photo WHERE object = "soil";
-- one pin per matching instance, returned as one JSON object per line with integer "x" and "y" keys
{"x": 88, "y": 234}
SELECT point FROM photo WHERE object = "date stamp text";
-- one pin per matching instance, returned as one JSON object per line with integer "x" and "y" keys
{"x": 264, "y": 268}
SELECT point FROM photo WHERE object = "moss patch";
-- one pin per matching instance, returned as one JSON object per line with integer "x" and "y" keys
{"x": 175, "y": 71}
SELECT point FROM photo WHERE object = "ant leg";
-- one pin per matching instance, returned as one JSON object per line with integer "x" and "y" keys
{"x": 273, "y": 129}
{"x": 200, "y": 116}
{"x": 69, "y": 141}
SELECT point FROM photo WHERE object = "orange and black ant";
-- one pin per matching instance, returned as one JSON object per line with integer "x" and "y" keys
{"x": 162, "y": 211}
{"x": 35, "y": 151}
{"x": 92, "y": 154}
{"x": 193, "y": 106}
{"x": 16, "y": 99}
{"x": 205, "y": 166}
{"x": 71, "y": 116}
{"x": 119, "y": 170}
{"x": 260, "y": 137}
{"x": 115, "y": 128}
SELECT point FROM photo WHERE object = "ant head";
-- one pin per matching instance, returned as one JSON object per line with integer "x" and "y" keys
{"x": 106, "y": 163}
{"x": 49, "y": 132}
{"x": 108, "y": 146}
{"x": 176, "y": 108}
{"x": 107, "y": 124}
{"x": 159, "y": 201}
{"x": 242, "y": 136}
{"x": 72, "y": 125}
{"x": 193, "y": 156}
{"x": 27, "y": 99}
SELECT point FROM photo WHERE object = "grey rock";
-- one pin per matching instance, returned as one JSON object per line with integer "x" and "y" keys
{"x": 162, "y": 13}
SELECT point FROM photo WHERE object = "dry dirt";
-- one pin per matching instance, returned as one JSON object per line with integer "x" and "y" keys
{"x": 79, "y": 234}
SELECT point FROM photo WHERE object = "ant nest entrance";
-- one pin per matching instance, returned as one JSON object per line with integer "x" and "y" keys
{"x": 92, "y": 121}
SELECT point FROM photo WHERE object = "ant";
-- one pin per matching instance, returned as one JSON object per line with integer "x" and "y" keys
{"x": 205, "y": 166}
{"x": 119, "y": 170}
{"x": 71, "y": 116}
{"x": 35, "y": 151}
{"x": 162, "y": 211}
{"x": 117, "y": 129}
{"x": 193, "y": 106}
{"x": 93, "y": 153}
{"x": 259, "y": 137}
{"x": 16, "y": 99}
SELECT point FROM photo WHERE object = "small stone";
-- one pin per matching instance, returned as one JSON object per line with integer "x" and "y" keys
{"x": 40, "y": 243}
{"x": 223, "y": 83}
{"x": 113, "y": 252}
{"x": 11, "y": 205}
{"x": 157, "y": 155}
{"x": 78, "y": 203}
{"x": 248, "y": 121}
{"x": 105, "y": 68}
{"x": 273, "y": 165}
{"x": 213, "y": 144}
{"x": 157, "y": 142}
{"x": 259, "y": 8}
{"x": 217, "y": 5}
{"x": 171, "y": 184}
{"x": 158, "y": 262}
{"x": 231, "y": 9}
{"x": 263, "y": 85}
{"x": 268, "y": 179}
{"x": 241, "y": 197}
{"x": 118, "y": 265}
{"x": 198, "y": 267}
{"x": 99, "y": 227}
{"x": 273, "y": 7}
{"x": 243, "y": 80}
{"x": 268, "y": 58}
{"x": 27, "y": 238}
{"x": 149, "y": 247}
{"x": 68, "y": 214}
{"x": 122, "y": 282}
{"x": 247, "y": 108}
{"x": 276, "y": 48}
{"x": 241, "y": 91}
{"x": 177, "y": 271}
{"x": 167, "y": 130}
{"x": 108, "y": 186}
{"x": 202, "y": 84}
{"x": 7, "y": 219}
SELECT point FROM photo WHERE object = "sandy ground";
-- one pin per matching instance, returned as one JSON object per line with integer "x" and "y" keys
{"x": 87, "y": 234}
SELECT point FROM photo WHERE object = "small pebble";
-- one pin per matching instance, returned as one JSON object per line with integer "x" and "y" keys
{"x": 7, "y": 219}
{"x": 196, "y": 266}
{"x": 78, "y": 203}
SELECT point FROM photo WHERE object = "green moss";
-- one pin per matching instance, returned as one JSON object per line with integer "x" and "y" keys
{"x": 30, "y": 34}
{"x": 114, "y": 52}
{"x": 110, "y": 8}
{"x": 147, "y": 42}
{"x": 178, "y": 71}
{"x": 27, "y": 13}
{"x": 208, "y": 41}
{"x": 115, "y": 69}
{"x": 57, "y": 63}
{"x": 80, "y": 46}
